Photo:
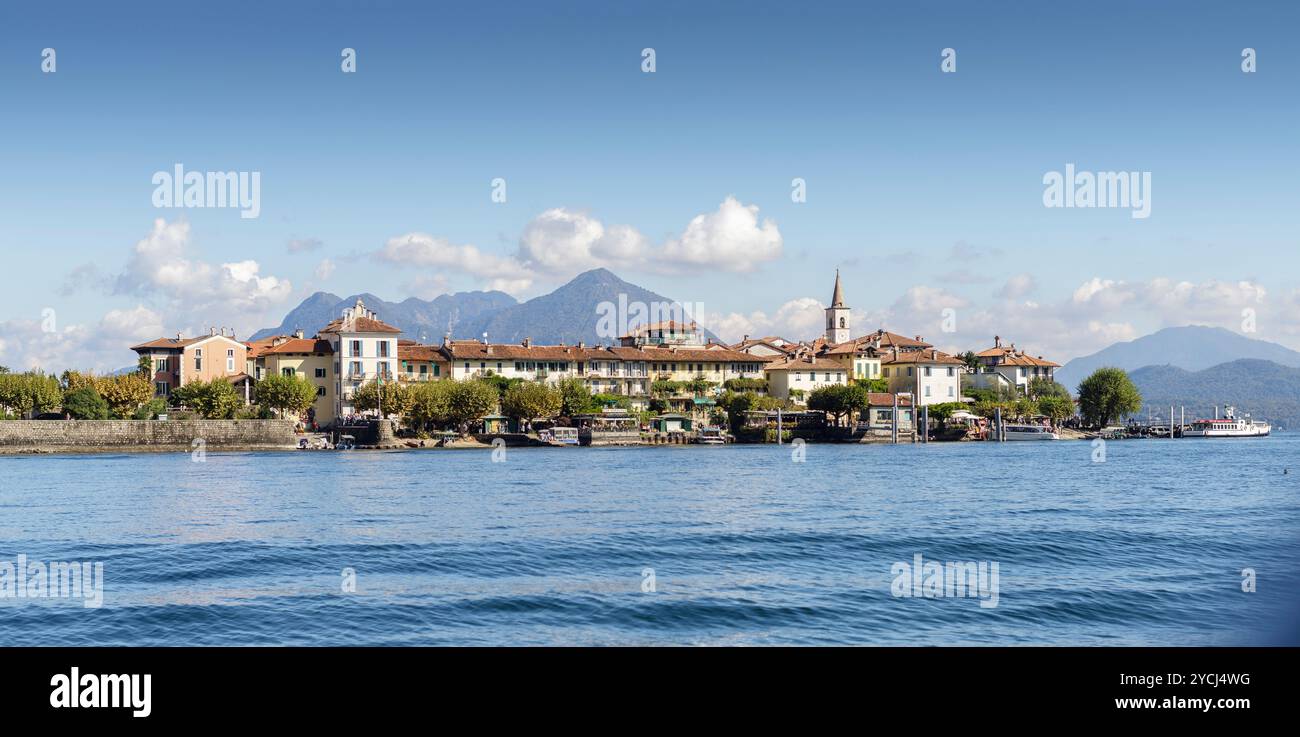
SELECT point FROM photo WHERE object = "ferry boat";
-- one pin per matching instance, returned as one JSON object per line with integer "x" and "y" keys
{"x": 1029, "y": 432}
{"x": 1230, "y": 426}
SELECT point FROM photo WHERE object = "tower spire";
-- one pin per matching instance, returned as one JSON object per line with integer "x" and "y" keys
{"x": 837, "y": 300}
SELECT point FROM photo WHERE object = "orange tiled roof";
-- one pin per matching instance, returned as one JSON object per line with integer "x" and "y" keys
{"x": 359, "y": 325}
{"x": 929, "y": 355}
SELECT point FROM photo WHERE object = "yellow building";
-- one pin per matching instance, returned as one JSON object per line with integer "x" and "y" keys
{"x": 310, "y": 358}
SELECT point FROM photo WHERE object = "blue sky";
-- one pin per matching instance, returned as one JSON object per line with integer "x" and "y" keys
{"x": 924, "y": 188}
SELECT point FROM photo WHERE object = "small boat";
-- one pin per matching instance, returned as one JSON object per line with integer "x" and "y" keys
{"x": 558, "y": 436}
{"x": 1230, "y": 426}
{"x": 346, "y": 442}
{"x": 1029, "y": 432}
{"x": 711, "y": 436}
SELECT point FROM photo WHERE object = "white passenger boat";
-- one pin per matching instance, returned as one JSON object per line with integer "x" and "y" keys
{"x": 1230, "y": 426}
{"x": 1029, "y": 432}
{"x": 559, "y": 436}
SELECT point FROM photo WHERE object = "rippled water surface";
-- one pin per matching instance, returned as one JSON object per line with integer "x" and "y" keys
{"x": 551, "y": 546}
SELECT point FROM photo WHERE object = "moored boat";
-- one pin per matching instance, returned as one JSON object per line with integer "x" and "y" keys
{"x": 1029, "y": 432}
{"x": 559, "y": 436}
{"x": 1229, "y": 426}
{"x": 711, "y": 436}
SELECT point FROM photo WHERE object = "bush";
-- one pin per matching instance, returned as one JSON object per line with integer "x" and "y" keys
{"x": 85, "y": 404}
{"x": 151, "y": 409}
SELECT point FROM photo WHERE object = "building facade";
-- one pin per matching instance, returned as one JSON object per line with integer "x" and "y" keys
{"x": 365, "y": 350}
{"x": 179, "y": 361}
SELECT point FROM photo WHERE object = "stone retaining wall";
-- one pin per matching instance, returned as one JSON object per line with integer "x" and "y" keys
{"x": 145, "y": 434}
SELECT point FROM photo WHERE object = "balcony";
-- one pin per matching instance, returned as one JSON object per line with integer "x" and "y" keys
{"x": 415, "y": 376}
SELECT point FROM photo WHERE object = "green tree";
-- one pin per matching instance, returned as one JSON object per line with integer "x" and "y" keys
{"x": 469, "y": 400}
{"x": 144, "y": 367}
{"x": 85, "y": 404}
{"x": 665, "y": 387}
{"x": 878, "y": 385}
{"x": 1042, "y": 387}
{"x": 30, "y": 393}
{"x": 287, "y": 395}
{"x": 389, "y": 397}
{"x": 530, "y": 400}
{"x": 943, "y": 410}
{"x": 838, "y": 400}
{"x": 213, "y": 400}
{"x": 1107, "y": 395}
{"x": 150, "y": 409}
{"x": 125, "y": 392}
{"x": 500, "y": 383}
{"x": 575, "y": 397}
{"x": 971, "y": 360}
{"x": 1055, "y": 407}
{"x": 699, "y": 386}
{"x": 745, "y": 385}
{"x": 430, "y": 403}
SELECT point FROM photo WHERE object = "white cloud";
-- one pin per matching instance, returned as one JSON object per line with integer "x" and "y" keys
{"x": 161, "y": 266}
{"x": 422, "y": 249}
{"x": 1017, "y": 287}
{"x": 101, "y": 347}
{"x": 560, "y": 240}
{"x": 797, "y": 319}
{"x": 324, "y": 270}
{"x": 730, "y": 238}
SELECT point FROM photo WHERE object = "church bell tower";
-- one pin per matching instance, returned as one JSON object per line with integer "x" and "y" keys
{"x": 837, "y": 316}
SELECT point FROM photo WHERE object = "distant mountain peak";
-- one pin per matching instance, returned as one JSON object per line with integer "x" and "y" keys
{"x": 567, "y": 315}
{"x": 1190, "y": 347}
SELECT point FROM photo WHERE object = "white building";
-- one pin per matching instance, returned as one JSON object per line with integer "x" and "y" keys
{"x": 797, "y": 376}
{"x": 932, "y": 376}
{"x": 365, "y": 350}
{"x": 1009, "y": 367}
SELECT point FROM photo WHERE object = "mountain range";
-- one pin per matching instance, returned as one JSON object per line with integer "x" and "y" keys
{"x": 567, "y": 315}
{"x": 1192, "y": 348}
{"x": 1265, "y": 389}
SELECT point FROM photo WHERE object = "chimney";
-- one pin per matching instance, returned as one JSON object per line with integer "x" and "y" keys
{"x": 582, "y": 344}
{"x": 918, "y": 339}
{"x": 446, "y": 340}
{"x": 528, "y": 342}
{"x": 178, "y": 336}
{"x": 298, "y": 333}
{"x": 742, "y": 340}
{"x": 997, "y": 341}
{"x": 212, "y": 330}
{"x": 488, "y": 348}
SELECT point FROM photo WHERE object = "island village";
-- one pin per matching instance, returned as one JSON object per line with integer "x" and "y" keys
{"x": 661, "y": 382}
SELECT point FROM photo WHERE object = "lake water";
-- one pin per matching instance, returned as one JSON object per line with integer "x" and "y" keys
{"x": 743, "y": 545}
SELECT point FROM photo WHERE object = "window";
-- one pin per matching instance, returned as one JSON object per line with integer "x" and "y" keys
{"x": 286, "y": 372}
{"x": 383, "y": 348}
{"x": 424, "y": 370}
{"x": 320, "y": 391}
{"x": 498, "y": 367}
{"x": 355, "y": 349}
{"x": 162, "y": 364}
{"x": 519, "y": 365}
{"x": 927, "y": 390}
{"x": 909, "y": 370}
{"x": 798, "y": 376}
{"x": 198, "y": 359}
{"x": 950, "y": 391}
{"x": 437, "y": 370}
{"x": 886, "y": 373}
{"x": 320, "y": 373}
{"x": 162, "y": 388}
{"x": 467, "y": 365}
{"x": 355, "y": 369}
{"x": 951, "y": 370}
{"x": 230, "y": 359}
{"x": 927, "y": 370}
